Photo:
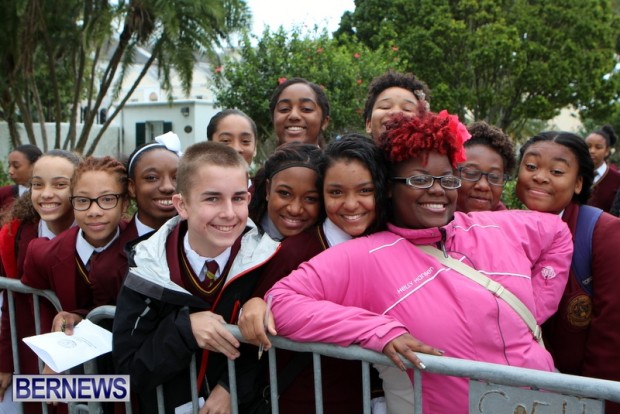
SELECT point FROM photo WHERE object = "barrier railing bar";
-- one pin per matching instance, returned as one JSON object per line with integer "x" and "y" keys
{"x": 417, "y": 390}
{"x": 366, "y": 386}
{"x": 193, "y": 386}
{"x": 232, "y": 384}
{"x": 273, "y": 381}
{"x": 15, "y": 285}
{"x": 14, "y": 344}
{"x": 519, "y": 377}
{"x": 318, "y": 387}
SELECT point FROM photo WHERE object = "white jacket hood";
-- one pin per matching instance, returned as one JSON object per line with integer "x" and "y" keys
{"x": 151, "y": 264}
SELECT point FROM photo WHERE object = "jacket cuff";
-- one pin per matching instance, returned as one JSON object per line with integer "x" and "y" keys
{"x": 384, "y": 335}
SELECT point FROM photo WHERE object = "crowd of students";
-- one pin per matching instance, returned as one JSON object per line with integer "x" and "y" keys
{"x": 380, "y": 241}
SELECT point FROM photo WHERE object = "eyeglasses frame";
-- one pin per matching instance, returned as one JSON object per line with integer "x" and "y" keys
{"x": 485, "y": 174}
{"x": 407, "y": 181}
{"x": 96, "y": 200}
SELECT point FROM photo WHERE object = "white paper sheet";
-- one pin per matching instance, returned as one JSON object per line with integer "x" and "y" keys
{"x": 61, "y": 352}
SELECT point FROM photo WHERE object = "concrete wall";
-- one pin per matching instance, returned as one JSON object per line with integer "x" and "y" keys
{"x": 189, "y": 119}
{"x": 108, "y": 145}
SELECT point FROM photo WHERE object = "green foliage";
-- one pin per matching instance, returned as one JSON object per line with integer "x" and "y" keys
{"x": 247, "y": 78}
{"x": 509, "y": 197}
{"x": 500, "y": 61}
{"x": 4, "y": 176}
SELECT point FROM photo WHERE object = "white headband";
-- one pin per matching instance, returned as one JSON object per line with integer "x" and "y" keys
{"x": 169, "y": 140}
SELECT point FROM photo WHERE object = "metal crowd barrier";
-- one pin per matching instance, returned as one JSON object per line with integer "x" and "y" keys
{"x": 516, "y": 390}
{"x": 9, "y": 286}
{"x": 493, "y": 388}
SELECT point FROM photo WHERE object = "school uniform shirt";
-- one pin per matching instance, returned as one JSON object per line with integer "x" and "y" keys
{"x": 583, "y": 335}
{"x": 153, "y": 340}
{"x": 605, "y": 188}
{"x": 58, "y": 265}
{"x": 142, "y": 228}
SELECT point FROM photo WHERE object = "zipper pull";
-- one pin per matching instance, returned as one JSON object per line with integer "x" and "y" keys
{"x": 442, "y": 247}
{"x": 440, "y": 244}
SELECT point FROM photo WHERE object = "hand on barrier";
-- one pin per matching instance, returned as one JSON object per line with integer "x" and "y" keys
{"x": 218, "y": 402}
{"x": 65, "y": 322}
{"x": 252, "y": 323}
{"x": 210, "y": 332}
{"x": 5, "y": 381}
{"x": 406, "y": 345}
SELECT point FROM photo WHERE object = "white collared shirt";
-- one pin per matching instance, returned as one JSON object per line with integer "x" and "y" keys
{"x": 142, "y": 228}
{"x": 197, "y": 262}
{"x": 21, "y": 190}
{"x": 334, "y": 234}
{"x": 600, "y": 172}
{"x": 85, "y": 249}
{"x": 44, "y": 230}
{"x": 270, "y": 228}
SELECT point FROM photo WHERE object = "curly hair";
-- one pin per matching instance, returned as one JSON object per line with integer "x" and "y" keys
{"x": 393, "y": 79}
{"x": 406, "y": 138}
{"x": 494, "y": 138}
{"x": 107, "y": 164}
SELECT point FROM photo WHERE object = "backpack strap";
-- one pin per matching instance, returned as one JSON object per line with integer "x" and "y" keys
{"x": 582, "y": 255}
{"x": 494, "y": 287}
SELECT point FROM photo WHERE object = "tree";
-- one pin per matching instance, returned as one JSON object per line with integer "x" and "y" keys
{"x": 75, "y": 52}
{"x": 250, "y": 74}
{"x": 504, "y": 62}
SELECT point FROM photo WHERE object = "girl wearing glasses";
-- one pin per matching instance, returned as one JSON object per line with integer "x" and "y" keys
{"x": 555, "y": 176}
{"x": 489, "y": 165}
{"x": 43, "y": 212}
{"x": 379, "y": 290}
{"x": 85, "y": 265}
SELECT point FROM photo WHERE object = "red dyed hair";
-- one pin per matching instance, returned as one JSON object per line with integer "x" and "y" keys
{"x": 407, "y": 138}
{"x": 107, "y": 164}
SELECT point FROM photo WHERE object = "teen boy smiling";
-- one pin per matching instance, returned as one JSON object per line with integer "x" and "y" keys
{"x": 175, "y": 300}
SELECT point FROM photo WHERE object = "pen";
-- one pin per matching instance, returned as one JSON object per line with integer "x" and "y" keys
{"x": 269, "y": 301}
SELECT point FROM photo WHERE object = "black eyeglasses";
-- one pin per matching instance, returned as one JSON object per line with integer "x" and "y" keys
{"x": 423, "y": 181}
{"x": 472, "y": 174}
{"x": 105, "y": 202}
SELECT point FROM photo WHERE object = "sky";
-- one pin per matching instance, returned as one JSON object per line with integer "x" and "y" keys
{"x": 293, "y": 13}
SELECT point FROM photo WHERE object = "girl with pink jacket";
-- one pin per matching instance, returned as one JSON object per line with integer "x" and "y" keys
{"x": 379, "y": 290}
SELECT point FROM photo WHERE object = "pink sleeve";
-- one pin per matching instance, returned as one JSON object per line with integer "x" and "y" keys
{"x": 324, "y": 300}
{"x": 551, "y": 269}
